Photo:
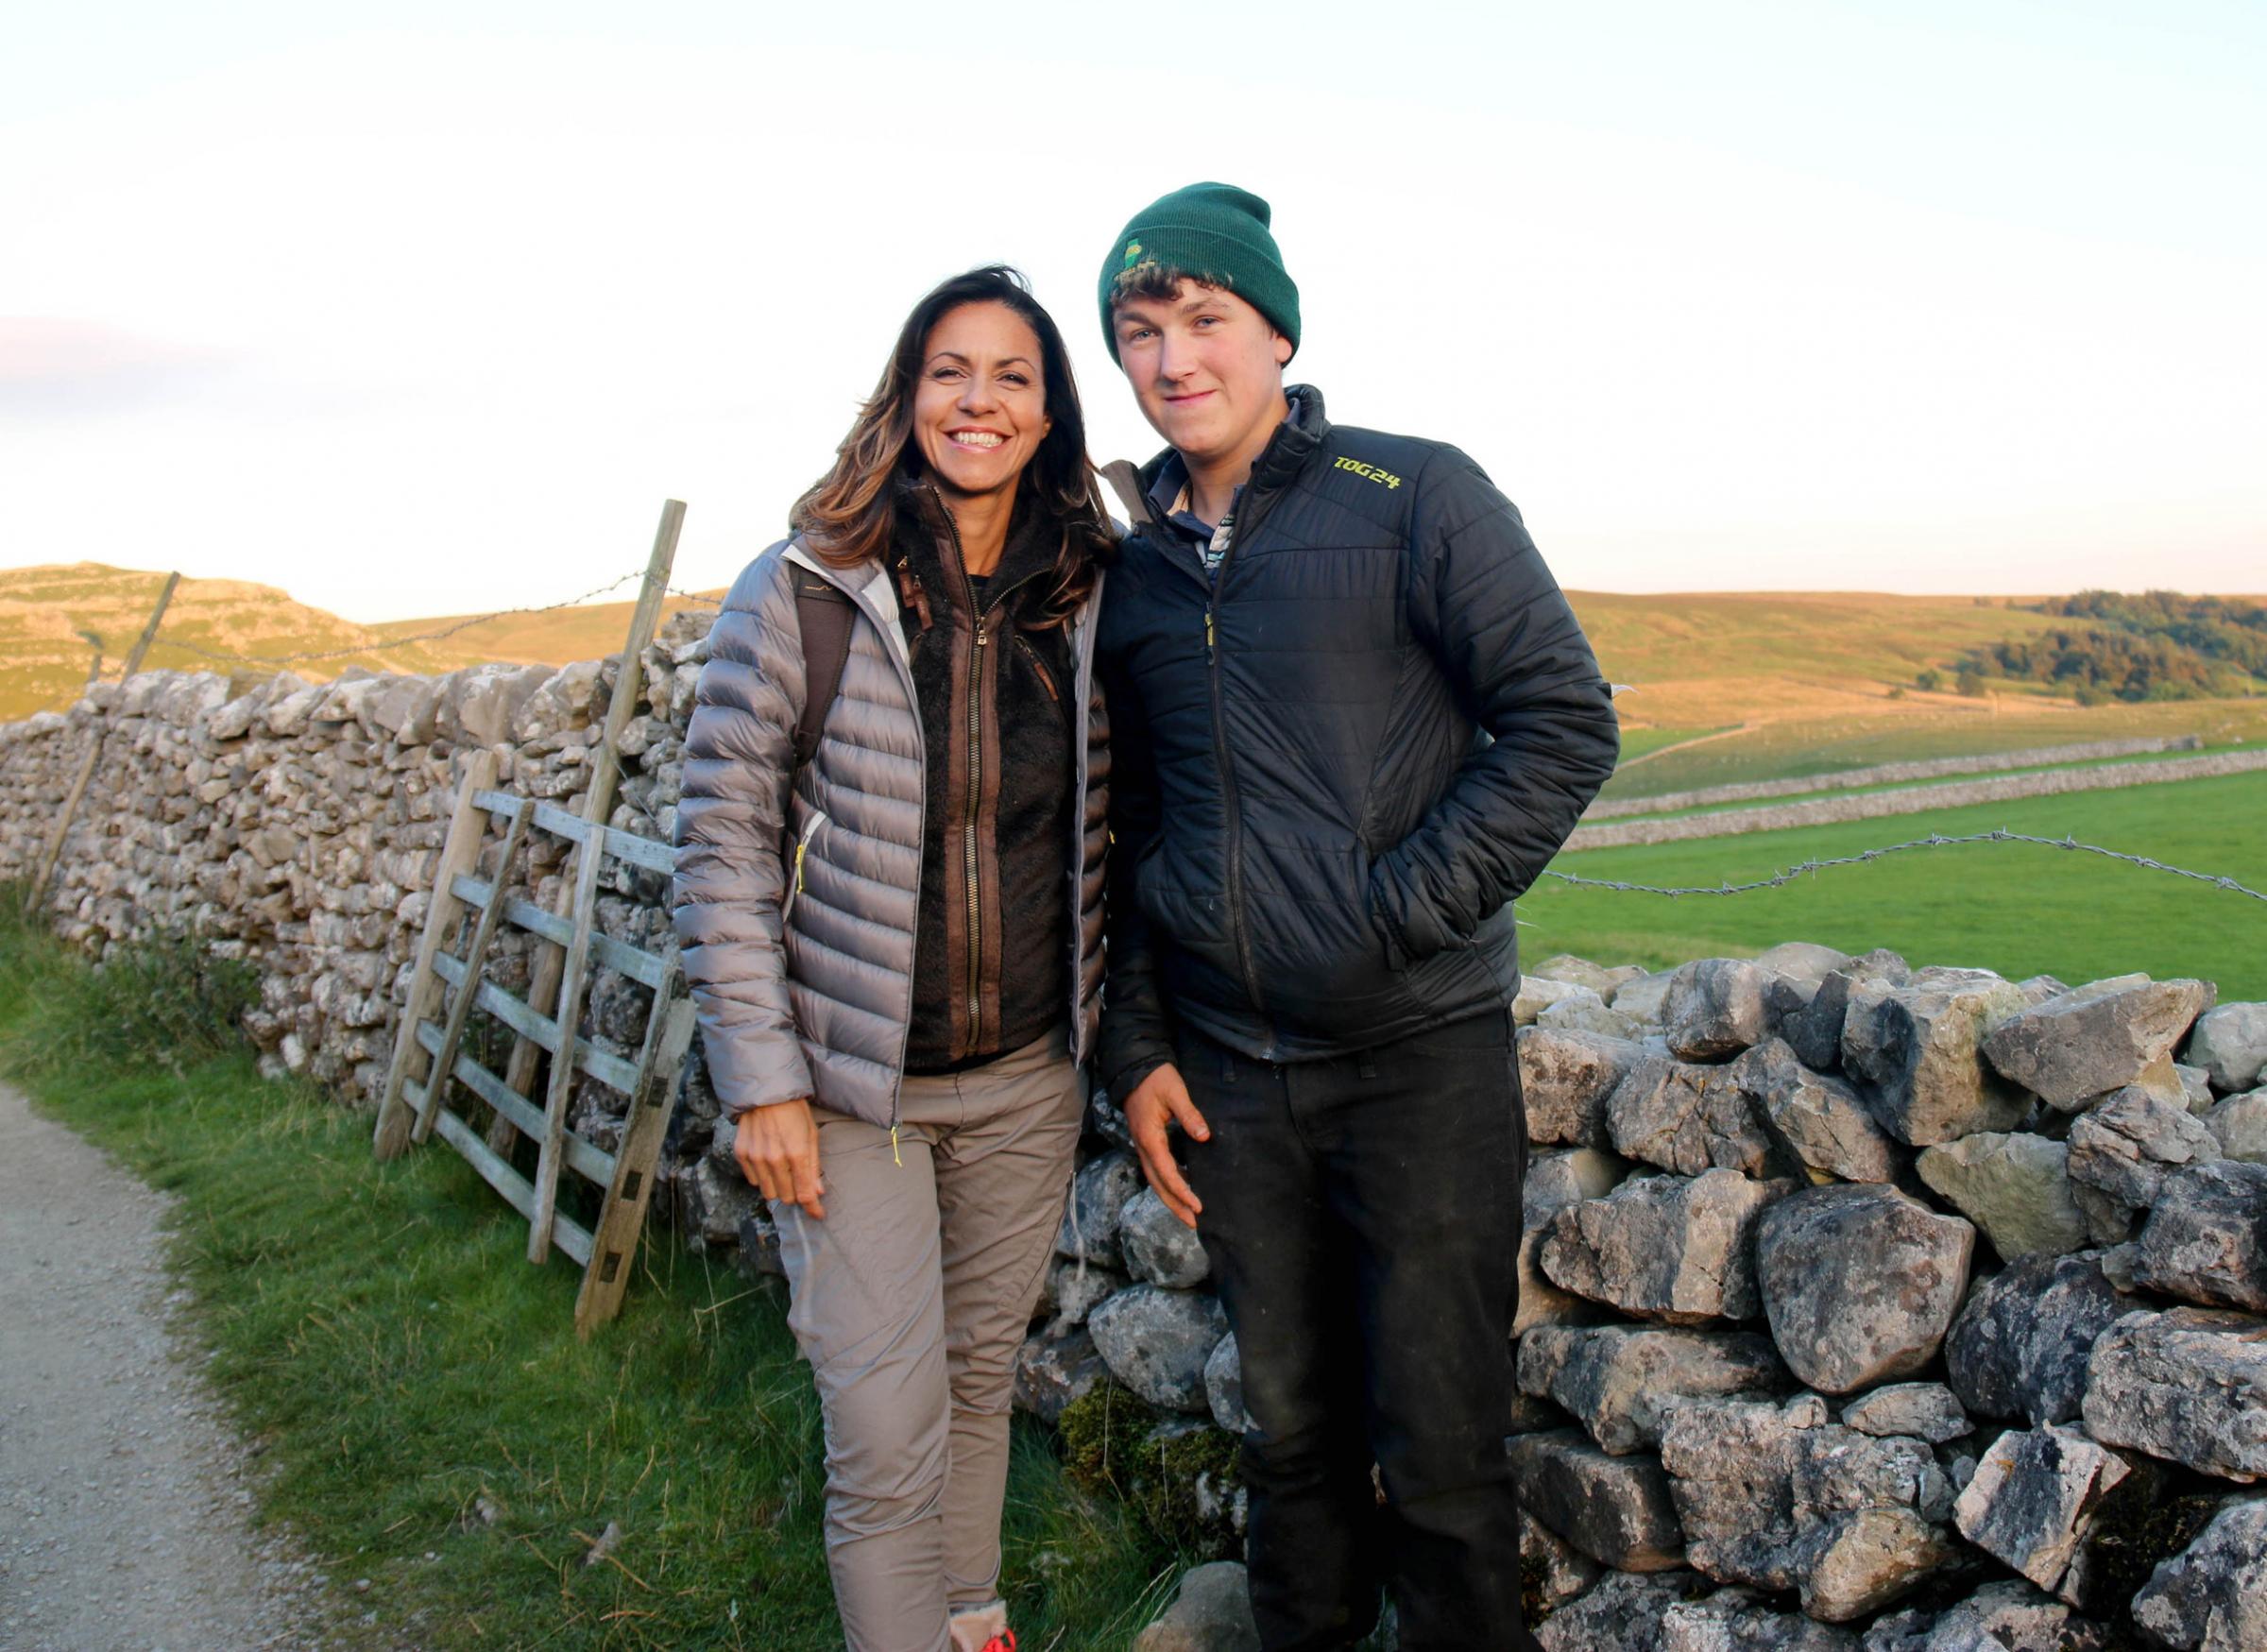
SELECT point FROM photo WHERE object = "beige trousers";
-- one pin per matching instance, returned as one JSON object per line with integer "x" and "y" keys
{"x": 909, "y": 1301}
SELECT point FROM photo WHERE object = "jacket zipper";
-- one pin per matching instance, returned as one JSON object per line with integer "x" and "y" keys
{"x": 1047, "y": 679}
{"x": 1239, "y": 929}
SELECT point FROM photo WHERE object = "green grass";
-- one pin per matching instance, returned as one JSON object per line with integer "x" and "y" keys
{"x": 1798, "y": 747}
{"x": 376, "y": 1331}
{"x": 1782, "y": 799}
{"x": 2014, "y": 907}
{"x": 1639, "y": 742}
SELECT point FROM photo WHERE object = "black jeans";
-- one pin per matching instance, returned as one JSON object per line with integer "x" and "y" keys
{"x": 1362, "y": 1217}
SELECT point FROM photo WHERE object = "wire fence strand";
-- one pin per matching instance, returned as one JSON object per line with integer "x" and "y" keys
{"x": 228, "y": 657}
{"x": 1933, "y": 840}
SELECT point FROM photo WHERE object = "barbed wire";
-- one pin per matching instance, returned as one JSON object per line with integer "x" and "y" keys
{"x": 230, "y": 657}
{"x": 378, "y": 647}
{"x": 1933, "y": 840}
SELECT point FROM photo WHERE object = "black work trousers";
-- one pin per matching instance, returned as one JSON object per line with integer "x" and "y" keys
{"x": 1362, "y": 1217}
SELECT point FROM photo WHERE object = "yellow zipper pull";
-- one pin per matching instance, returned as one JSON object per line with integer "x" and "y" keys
{"x": 894, "y": 1154}
{"x": 1208, "y": 632}
{"x": 801, "y": 846}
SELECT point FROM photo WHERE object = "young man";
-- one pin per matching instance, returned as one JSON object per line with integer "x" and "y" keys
{"x": 1352, "y": 719}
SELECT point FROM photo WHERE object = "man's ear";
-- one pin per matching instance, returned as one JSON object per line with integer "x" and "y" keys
{"x": 1283, "y": 351}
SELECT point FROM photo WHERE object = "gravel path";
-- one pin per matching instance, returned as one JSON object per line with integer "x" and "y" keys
{"x": 125, "y": 1499}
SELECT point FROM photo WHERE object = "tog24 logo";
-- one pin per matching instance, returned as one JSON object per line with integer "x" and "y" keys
{"x": 1385, "y": 478}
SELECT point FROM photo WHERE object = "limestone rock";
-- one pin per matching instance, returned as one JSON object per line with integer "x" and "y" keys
{"x": 2206, "y": 1237}
{"x": 2021, "y": 1344}
{"x": 1211, "y": 1614}
{"x": 1098, "y": 1201}
{"x": 2189, "y": 1385}
{"x": 1803, "y": 962}
{"x": 2230, "y": 1045}
{"x": 1158, "y": 1245}
{"x": 1714, "y": 1008}
{"x": 1076, "y": 1288}
{"x": 1554, "y": 1568}
{"x": 1812, "y": 1119}
{"x": 1998, "y": 1617}
{"x": 2095, "y": 1038}
{"x": 1644, "y": 999}
{"x": 1739, "y": 1620}
{"x": 1778, "y": 1497}
{"x": 1918, "y": 1048}
{"x": 1927, "y": 1411}
{"x": 1622, "y": 1614}
{"x": 1055, "y": 1369}
{"x": 2032, "y": 1497}
{"x": 1687, "y": 1118}
{"x": 1536, "y": 995}
{"x": 1614, "y": 1509}
{"x": 1814, "y": 1030}
{"x": 2125, "y": 1148}
{"x": 2212, "y": 1596}
{"x": 1663, "y": 1247}
{"x": 2239, "y": 1124}
{"x": 1919, "y": 1053}
{"x": 1556, "y": 1181}
{"x": 2015, "y": 1186}
{"x": 1157, "y": 1342}
{"x": 1565, "y": 1078}
{"x": 479, "y": 702}
{"x": 1580, "y": 972}
{"x": 1584, "y": 1013}
{"x": 1620, "y": 1381}
{"x": 1224, "y": 1386}
{"x": 1860, "y": 1283}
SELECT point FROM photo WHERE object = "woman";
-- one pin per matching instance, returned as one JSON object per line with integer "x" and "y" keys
{"x": 895, "y": 947}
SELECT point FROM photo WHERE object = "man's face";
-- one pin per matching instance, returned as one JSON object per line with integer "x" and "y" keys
{"x": 1206, "y": 367}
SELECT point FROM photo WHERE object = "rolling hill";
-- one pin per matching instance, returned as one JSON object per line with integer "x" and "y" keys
{"x": 1721, "y": 685}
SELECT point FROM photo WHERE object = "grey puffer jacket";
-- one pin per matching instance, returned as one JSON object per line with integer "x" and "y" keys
{"x": 799, "y": 949}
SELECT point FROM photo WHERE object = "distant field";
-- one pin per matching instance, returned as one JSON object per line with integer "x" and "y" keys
{"x": 2014, "y": 907}
{"x": 1796, "y": 745}
{"x": 1644, "y": 743}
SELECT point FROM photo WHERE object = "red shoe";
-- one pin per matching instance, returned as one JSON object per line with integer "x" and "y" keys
{"x": 1003, "y": 1641}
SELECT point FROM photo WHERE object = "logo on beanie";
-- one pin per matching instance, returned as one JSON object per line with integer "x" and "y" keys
{"x": 1133, "y": 253}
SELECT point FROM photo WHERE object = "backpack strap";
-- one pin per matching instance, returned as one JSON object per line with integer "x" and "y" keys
{"x": 825, "y": 616}
{"x": 1126, "y": 483}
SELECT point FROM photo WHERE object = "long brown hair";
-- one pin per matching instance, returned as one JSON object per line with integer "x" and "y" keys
{"x": 850, "y": 514}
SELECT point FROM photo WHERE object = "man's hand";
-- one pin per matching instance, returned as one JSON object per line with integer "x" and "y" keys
{"x": 1158, "y": 1102}
{"x": 777, "y": 1147}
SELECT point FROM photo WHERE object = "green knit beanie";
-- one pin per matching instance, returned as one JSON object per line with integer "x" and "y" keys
{"x": 1212, "y": 232}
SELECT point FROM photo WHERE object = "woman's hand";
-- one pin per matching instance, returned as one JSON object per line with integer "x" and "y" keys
{"x": 777, "y": 1147}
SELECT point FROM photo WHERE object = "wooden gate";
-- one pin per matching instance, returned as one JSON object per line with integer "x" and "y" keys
{"x": 449, "y": 982}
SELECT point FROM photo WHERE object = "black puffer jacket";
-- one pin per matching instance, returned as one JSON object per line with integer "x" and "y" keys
{"x": 1337, "y": 769}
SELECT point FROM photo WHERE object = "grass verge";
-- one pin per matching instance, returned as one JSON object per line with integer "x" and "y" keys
{"x": 429, "y": 1420}
{"x": 2014, "y": 907}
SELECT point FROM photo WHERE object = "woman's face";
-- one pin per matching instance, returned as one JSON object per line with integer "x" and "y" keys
{"x": 979, "y": 406}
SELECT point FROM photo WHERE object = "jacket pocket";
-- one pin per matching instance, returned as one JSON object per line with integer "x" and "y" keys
{"x": 795, "y": 867}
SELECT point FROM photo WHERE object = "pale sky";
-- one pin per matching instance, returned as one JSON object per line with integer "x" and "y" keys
{"x": 425, "y": 308}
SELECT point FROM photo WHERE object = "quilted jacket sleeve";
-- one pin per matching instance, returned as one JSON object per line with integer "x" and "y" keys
{"x": 1135, "y": 1040}
{"x": 1482, "y": 600}
{"x": 724, "y": 899}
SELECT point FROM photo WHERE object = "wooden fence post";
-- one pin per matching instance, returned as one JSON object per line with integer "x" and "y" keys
{"x": 48, "y": 856}
{"x": 598, "y": 802}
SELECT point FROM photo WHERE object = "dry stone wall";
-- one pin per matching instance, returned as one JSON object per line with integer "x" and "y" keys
{"x": 1865, "y": 1308}
{"x": 1912, "y": 800}
{"x": 1888, "y": 774}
